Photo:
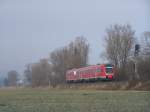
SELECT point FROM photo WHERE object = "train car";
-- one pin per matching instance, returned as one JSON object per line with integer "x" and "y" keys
{"x": 91, "y": 73}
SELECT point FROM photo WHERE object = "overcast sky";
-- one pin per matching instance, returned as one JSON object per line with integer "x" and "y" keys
{"x": 31, "y": 29}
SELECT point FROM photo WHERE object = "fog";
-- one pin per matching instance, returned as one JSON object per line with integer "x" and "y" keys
{"x": 31, "y": 29}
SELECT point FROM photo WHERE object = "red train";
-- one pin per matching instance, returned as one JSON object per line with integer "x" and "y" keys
{"x": 91, "y": 73}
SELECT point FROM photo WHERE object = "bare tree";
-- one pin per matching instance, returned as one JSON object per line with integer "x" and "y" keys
{"x": 59, "y": 64}
{"x": 145, "y": 43}
{"x": 52, "y": 71}
{"x": 6, "y": 82}
{"x": 40, "y": 73}
{"x": 78, "y": 52}
{"x": 119, "y": 41}
{"x": 72, "y": 56}
{"x": 28, "y": 75}
{"x": 144, "y": 62}
{"x": 12, "y": 78}
{"x": 144, "y": 69}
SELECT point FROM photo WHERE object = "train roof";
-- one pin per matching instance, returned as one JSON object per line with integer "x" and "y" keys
{"x": 90, "y": 66}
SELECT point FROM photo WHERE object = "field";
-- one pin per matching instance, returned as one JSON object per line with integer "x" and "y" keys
{"x": 52, "y": 100}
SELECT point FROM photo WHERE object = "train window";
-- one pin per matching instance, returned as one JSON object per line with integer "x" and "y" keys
{"x": 74, "y": 72}
{"x": 109, "y": 70}
{"x": 82, "y": 72}
{"x": 98, "y": 70}
{"x": 89, "y": 71}
{"x": 86, "y": 72}
{"x": 92, "y": 71}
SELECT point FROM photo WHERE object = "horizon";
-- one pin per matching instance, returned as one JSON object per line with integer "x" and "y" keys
{"x": 30, "y": 30}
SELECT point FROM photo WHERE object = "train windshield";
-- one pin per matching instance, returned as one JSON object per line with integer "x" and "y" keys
{"x": 98, "y": 70}
{"x": 109, "y": 69}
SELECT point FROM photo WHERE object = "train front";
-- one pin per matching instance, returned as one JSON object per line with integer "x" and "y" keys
{"x": 109, "y": 70}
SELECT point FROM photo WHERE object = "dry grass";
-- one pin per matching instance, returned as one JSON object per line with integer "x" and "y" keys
{"x": 144, "y": 86}
{"x": 69, "y": 100}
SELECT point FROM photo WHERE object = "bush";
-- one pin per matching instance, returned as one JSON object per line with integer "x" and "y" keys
{"x": 144, "y": 69}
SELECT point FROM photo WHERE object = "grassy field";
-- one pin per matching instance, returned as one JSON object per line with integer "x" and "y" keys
{"x": 44, "y": 100}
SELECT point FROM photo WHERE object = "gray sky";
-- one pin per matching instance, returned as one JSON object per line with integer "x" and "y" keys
{"x": 31, "y": 29}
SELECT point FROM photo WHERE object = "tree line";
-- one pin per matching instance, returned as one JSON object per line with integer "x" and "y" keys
{"x": 51, "y": 71}
{"x": 119, "y": 46}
